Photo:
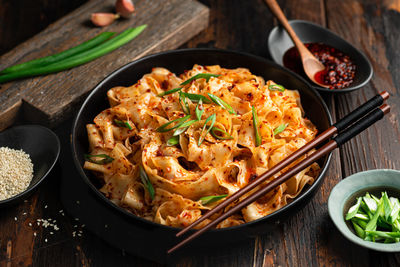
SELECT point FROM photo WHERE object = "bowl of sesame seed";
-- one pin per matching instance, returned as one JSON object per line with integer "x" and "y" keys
{"x": 27, "y": 155}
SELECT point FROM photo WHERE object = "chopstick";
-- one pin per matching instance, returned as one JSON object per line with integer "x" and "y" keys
{"x": 339, "y": 126}
{"x": 342, "y": 138}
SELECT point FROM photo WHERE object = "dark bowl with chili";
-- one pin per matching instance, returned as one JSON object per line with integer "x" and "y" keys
{"x": 123, "y": 226}
{"x": 349, "y": 69}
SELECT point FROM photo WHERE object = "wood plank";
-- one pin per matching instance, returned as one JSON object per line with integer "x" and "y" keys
{"x": 52, "y": 98}
{"x": 373, "y": 28}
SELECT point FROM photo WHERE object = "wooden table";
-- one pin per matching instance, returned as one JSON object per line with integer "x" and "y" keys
{"x": 309, "y": 238}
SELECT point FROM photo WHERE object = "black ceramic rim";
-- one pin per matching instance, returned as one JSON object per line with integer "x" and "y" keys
{"x": 78, "y": 165}
{"x": 344, "y": 90}
{"x": 32, "y": 187}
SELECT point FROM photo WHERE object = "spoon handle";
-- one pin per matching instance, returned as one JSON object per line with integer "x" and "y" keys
{"x": 277, "y": 11}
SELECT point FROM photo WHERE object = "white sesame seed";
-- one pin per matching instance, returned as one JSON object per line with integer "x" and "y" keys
{"x": 15, "y": 219}
{"x": 51, "y": 233}
{"x": 34, "y": 233}
{"x": 45, "y": 240}
{"x": 76, "y": 219}
{"x": 30, "y": 224}
{"x": 45, "y": 207}
{"x": 24, "y": 213}
{"x": 78, "y": 202}
{"x": 16, "y": 172}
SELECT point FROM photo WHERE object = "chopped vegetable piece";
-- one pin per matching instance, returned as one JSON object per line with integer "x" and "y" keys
{"x": 354, "y": 209}
{"x": 387, "y": 206}
{"x": 361, "y": 216}
{"x": 221, "y": 103}
{"x": 170, "y": 91}
{"x": 371, "y": 226}
{"x": 280, "y": 128}
{"x": 395, "y": 211}
{"x": 199, "y": 109}
{"x": 163, "y": 128}
{"x": 206, "y": 76}
{"x": 255, "y": 126}
{"x": 383, "y": 234}
{"x": 146, "y": 182}
{"x": 226, "y": 136}
{"x": 40, "y": 62}
{"x": 360, "y": 222}
{"x": 78, "y": 59}
{"x": 276, "y": 87}
{"x": 359, "y": 231}
{"x": 174, "y": 140}
{"x": 182, "y": 128}
{"x": 211, "y": 199}
{"x": 370, "y": 202}
{"x": 105, "y": 158}
{"x": 212, "y": 119}
{"x": 196, "y": 97}
{"x": 185, "y": 106}
{"x": 124, "y": 124}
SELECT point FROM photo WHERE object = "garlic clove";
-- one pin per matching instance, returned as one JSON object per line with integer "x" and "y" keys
{"x": 125, "y": 8}
{"x": 103, "y": 19}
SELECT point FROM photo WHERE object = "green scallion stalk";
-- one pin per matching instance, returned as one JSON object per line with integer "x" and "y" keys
{"x": 255, "y": 125}
{"x": 78, "y": 59}
{"x": 146, "y": 182}
{"x": 163, "y": 128}
{"x": 276, "y": 87}
{"x": 199, "y": 109}
{"x": 212, "y": 118}
{"x": 206, "y": 76}
{"x": 44, "y": 61}
{"x": 123, "y": 124}
{"x": 280, "y": 128}
{"x": 182, "y": 128}
{"x": 174, "y": 140}
{"x": 169, "y": 92}
{"x": 225, "y": 136}
{"x": 105, "y": 158}
{"x": 221, "y": 103}
{"x": 196, "y": 97}
{"x": 185, "y": 105}
{"x": 211, "y": 199}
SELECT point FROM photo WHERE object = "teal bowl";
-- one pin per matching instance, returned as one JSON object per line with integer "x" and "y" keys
{"x": 344, "y": 195}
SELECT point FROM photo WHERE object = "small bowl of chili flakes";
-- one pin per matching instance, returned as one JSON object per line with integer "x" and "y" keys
{"x": 347, "y": 68}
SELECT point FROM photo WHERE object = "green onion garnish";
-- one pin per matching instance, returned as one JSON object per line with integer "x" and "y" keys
{"x": 212, "y": 119}
{"x": 206, "y": 76}
{"x": 44, "y": 61}
{"x": 199, "y": 109}
{"x": 146, "y": 182}
{"x": 182, "y": 128}
{"x": 105, "y": 158}
{"x": 376, "y": 219}
{"x": 124, "y": 124}
{"x": 221, "y": 103}
{"x": 255, "y": 125}
{"x": 170, "y": 91}
{"x": 196, "y": 97}
{"x": 276, "y": 87}
{"x": 225, "y": 136}
{"x": 185, "y": 106}
{"x": 210, "y": 199}
{"x": 163, "y": 128}
{"x": 280, "y": 128}
{"x": 78, "y": 59}
{"x": 174, "y": 140}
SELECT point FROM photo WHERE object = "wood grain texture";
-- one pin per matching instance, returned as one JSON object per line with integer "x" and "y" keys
{"x": 51, "y": 99}
{"x": 307, "y": 239}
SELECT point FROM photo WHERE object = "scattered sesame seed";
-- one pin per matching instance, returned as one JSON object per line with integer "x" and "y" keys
{"x": 78, "y": 202}
{"x": 15, "y": 219}
{"x": 24, "y": 213}
{"x": 45, "y": 207}
{"x": 45, "y": 240}
{"x": 34, "y": 233}
{"x": 30, "y": 224}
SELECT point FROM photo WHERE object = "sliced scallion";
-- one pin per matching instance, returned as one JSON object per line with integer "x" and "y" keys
{"x": 276, "y": 87}
{"x": 211, "y": 199}
{"x": 196, "y": 97}
{"x": 212, "y": 119}
{"x": 225, "y": 135}
{"x": 105, "y": 158}
{"x": 221, "y": 103}
{"x": 170, "y": 91}
{"x": 163, "y": 128}
{"x": 182, "y": 128}
{"x": 255, "y": 126}
{"x": 280, "y": 128}
{"x": 185, "y": 105}
{"x": 199, "y": 109}
{"x": 124, "y": 124}
{"x": 206, "y": 76}
{"x": 146, "y": 182}
{"x": 174, "y": 140}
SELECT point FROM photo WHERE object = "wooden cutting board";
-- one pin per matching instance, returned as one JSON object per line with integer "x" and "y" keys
{"x": 50, "y": 99}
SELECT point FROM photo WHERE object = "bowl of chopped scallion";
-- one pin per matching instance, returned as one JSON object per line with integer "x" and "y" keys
{"x": 365, "y": 207}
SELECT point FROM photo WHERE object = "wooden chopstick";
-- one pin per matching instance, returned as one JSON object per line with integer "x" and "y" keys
{"x": 355, "y": 129}
{"x": 335, "y": 128}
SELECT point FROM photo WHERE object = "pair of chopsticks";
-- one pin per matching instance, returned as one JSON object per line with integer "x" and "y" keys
{"x": 348, "y": 127}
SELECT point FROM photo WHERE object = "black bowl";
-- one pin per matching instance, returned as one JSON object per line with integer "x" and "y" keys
{"x": 43, "y": 147}
{"x": 130, "y": 227}
{"x": 279, "y": 42}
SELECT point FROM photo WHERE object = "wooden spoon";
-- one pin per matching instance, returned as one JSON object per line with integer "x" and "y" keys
{"x": 311, "y": 64}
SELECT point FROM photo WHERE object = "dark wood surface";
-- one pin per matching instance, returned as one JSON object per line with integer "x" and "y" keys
{"x": 309, "y": 238}
{"x": 42, "y": 100}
